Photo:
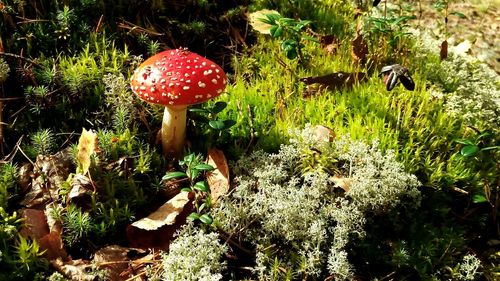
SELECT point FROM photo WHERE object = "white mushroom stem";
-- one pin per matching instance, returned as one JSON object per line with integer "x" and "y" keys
{"x": 173, "y": 131}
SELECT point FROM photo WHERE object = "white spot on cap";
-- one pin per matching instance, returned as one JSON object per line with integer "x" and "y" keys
{"x": 212, "y": 65}
{"x": 224, "y": 81}
{"x": 142, "y": 88}
{"x": 217, "y": 70}
{"x": 163, "y": 94}
{"x": 214, "y": 81}
{"x": 198, "y": 96}
{"x": 194, "y": 72}
{"x": 188, "y": 67}
{"x": 162, "y": 81}
{"x": 218, "y": 76}
{"x": 171, "y": 102}
{"x": 188, "y": 81}
{"x": 186, "y": 74}
{"x": 185, "y": 88}
{"x": 163, "y": 87}
{"x": 219, "y": 91}
{"x": 201, "y": 84}
{"x": 209, "y": 96}
{"x": 204, "y": 63}
{"x": 170, "y": 84}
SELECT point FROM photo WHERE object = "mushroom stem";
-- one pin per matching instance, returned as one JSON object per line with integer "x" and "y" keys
{"x": 173, "y": 131}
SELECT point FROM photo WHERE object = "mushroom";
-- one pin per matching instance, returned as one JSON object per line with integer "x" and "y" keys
{"x": 176, "y": 79}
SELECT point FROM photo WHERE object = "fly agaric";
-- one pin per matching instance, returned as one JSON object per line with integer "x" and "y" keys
{"x": 176, "y": 79}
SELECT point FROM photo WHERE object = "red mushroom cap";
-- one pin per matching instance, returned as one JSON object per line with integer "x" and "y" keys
{"x": 178, "y": 77}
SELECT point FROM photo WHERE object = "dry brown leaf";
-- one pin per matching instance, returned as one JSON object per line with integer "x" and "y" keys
{"x": 76, "y": 270}
{"x": 87, "y": 145}
{"x": 323, "y": 133}
{"x": 166, "y": 214}
{"x": 444, "y": 50}
{"x": 49, "y": 174}
{"x": 218, "y": 179}
{"x": 35, "y": 224}
{"x": 338, "y": 80}
{"x": 81, "y": 189}
{"x": 329, "y": 43}
{"x": 342, "y": 182}
{"x": 359, "y": 49}
{"x": 114, "y": 259}
{"x": 36, "y": 227}
{"x": 160, "y": 238}
{"x": 257, "y": 24}
{"x": 53, "y": 246}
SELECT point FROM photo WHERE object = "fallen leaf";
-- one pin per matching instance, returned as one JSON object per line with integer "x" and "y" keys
{"x": 49, "y": 175}
{"x": 255, "y": 19}
{"x": 329, "y": 43}
{"x": 116, "y": 260}
{"x": 218, "y": 179}
{"x": 342, "y": 182}
{"x": 53, "y": 246}
{"x": 323, "y": 133}
{"x": 443, "y": 53}
{"x": 76, "y": 270}
{"x": 166, "y": 214}
{"x": 159, "y": 238}
{"x": 35, "y": 224}
{"x": 359, "y": 49}
{"x": 87, "y": 145}
{"x": 81, "y": 189}
{"x": 24, "y": 176}
{"x": 36, "y": 227}
{"x": 338, "y": 80}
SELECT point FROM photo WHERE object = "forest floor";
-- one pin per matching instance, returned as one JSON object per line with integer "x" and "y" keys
{"x": 481, "y": 27}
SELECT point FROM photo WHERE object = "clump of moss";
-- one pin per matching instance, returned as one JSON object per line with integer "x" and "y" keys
{"x": 303, "y": 222}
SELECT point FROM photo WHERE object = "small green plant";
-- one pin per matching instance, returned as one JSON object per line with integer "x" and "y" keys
{"x": 291, "y": 33}
{"x": 194, "y": 169}
{"x": 77, "y": 225}
{"x": 42, "y": 143}
{"x": 207, "y": 126}
{"x": 8, "y": 175}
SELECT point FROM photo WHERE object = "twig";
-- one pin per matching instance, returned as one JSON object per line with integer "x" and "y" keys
{"x": 22, "y": 58}
{"x": 11, "y": 155}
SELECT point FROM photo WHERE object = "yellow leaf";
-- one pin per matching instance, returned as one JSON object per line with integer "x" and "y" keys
{"x": 87, "y": 145}
{"x": 256, "y": 20}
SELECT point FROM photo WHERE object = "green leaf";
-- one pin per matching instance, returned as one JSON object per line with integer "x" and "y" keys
{"x": 204, "y": 167}
{"x": 202, "y": 206}
{"x": 458, "y": 14}
{"x": 201, "y": 186}
{"x": 291, "y": 54}
{"x": 464, "y": 141}
{"x": 479, "y": 198}
{"x": 490, "y": 148}
{"x": 218, "y": 107}
{"x": 310, "y": 38}
{"x": 193, "y": 173}
{"x": 469, "y": 150}
{"x": 193, "y": 216}
{"x": 206, "y": 219}
{"x": 174, "y": 175}
{"x": 276, "y": 32}
{"x": 198, "y": 110}
{"x": 216, "y": 124}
